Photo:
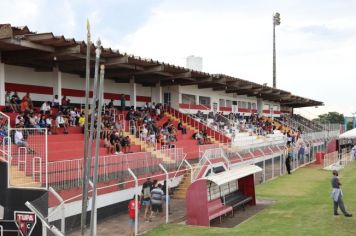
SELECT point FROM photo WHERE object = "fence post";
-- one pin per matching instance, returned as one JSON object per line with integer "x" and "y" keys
{"x": 167, "y": 193}
{"x": 191, "y": 170}
{"x": 136, "y": 200}
{"x": 60, "y": 199}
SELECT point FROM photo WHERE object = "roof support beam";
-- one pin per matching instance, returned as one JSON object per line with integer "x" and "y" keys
{"x": 112, "y": 62}
{"x": 28, "y": 44}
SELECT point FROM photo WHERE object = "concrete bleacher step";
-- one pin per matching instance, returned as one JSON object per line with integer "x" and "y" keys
{"x": 19, "y": 179}
{"x": 181, "y": 191}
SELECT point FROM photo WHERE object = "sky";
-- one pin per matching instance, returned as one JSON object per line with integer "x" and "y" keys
{"x": 316, "y": 41}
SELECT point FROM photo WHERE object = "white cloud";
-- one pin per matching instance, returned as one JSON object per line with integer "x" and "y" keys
{"x": 315, "y": 51}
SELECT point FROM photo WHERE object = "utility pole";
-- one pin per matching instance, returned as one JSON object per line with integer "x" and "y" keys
{"x": 276, "y": 21}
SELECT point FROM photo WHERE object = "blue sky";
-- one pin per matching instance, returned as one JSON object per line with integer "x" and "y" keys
{"x": 316, "y": 41}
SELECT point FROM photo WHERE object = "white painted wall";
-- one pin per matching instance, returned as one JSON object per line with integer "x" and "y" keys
{"x": 28, "y": 76}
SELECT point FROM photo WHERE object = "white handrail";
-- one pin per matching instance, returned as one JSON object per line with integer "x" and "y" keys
{"x": 24, "y": 161}
{"x": 34, "y": 171}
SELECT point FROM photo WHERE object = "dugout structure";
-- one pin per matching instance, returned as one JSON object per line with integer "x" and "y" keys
{"x": 217, "y": 195}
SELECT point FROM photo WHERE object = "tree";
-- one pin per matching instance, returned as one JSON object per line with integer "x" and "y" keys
{"x": 331, "y": 117}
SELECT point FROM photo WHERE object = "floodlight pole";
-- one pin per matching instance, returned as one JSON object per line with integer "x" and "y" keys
{"x": 276, "y": 21}
{"x": 86, "y": 111}
{"x": 97, "y": 146}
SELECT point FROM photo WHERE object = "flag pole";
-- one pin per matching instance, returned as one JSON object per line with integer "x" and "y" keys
{"x": 86, "y": 111}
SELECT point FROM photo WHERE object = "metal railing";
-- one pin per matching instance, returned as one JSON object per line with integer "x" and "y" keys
{"x": 68, "y": 173}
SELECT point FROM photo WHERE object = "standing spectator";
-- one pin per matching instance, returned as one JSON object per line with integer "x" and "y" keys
{"x": 288, "y": 161}
{"x": 181, "y": 127}
{"x": 146, "y": 195}
{"x": 55, "y": 101}
{"x": 132, "y": 213}
{"x": 336, "y": 195}
{"x": 111, "y": 104}
{"x": 24, "y": 106}
{"x": 123, "y": 102}
{"x": 156, "y": 199}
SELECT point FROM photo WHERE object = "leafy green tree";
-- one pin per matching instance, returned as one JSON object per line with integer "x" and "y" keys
{"x": 331, "y": 117}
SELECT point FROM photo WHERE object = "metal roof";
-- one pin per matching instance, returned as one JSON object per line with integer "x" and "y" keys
{"x": 43, "y": 51}
{"x": 233, "y": 174}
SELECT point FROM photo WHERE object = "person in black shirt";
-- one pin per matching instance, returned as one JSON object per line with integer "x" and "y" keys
{"x": 181, "y": 127}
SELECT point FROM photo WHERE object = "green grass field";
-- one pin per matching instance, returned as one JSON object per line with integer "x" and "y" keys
{"x": 303, "y": 207}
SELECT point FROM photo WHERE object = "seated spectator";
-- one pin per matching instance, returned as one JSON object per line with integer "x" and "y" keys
{"x": 61, "y": 121}
{"x": 14, "y": 102}
{"x": 20, "y": 121}
{"x": 15, "y": 98}
{"x": 65, "y": 101}
{"x": 73, "y": 114}
{"x": 55, "y": 102}
{"x": 19, "y": 139}
{"x": 181, "y": 127}
{"x": 81, "y": 120}
{"x": 9, "y": 107}
{"x": 46, "y": 107}
{"x": 115, "y": 141}
{"x": 29, "y": 101}
{"x": 109, "y": 146}
{"x": 199, "y": 136}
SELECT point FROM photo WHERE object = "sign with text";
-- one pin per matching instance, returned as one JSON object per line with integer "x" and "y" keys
{"x": 25, "y": 222}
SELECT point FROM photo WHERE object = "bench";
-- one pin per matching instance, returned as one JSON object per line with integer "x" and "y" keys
{"x": 217, "y": 209}
{"x": 236, "y": 199}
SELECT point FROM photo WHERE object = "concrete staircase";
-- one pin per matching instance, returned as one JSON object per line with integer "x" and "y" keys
{"x": 188, "y": 126}
{"x": 181, "y": 191}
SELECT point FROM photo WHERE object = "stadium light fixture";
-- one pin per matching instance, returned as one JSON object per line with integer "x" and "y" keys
{"x": 276, "y": 21}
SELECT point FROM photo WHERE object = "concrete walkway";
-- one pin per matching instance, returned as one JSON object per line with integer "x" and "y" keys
{"x": 119, "y": 224}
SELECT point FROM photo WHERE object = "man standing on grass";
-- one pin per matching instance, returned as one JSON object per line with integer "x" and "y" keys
{"x": 336, "y": 195}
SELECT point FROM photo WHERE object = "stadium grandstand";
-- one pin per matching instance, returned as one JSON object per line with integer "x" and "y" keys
{"x": 159, "y": 121}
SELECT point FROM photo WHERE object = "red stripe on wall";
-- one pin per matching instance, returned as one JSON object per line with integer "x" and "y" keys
{"x": 66, "y": 92}
{"x": 24, "y": 88}
{"x": 225, "y": 108}
{"x": 244, "y": 110}
{"x": 143, "y": 99}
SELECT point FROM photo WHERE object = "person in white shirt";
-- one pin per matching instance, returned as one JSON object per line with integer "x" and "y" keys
{"x": 73, "y": 117}
{"x": 45, "y": 108}
{"x": 61, "y": 122}
{"x": 19, "y": 140}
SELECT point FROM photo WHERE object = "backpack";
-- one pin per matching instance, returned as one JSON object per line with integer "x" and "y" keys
{"x": 146, "y": 193}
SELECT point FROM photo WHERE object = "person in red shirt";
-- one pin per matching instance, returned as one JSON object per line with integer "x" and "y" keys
{"x": 131, "y": 211}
